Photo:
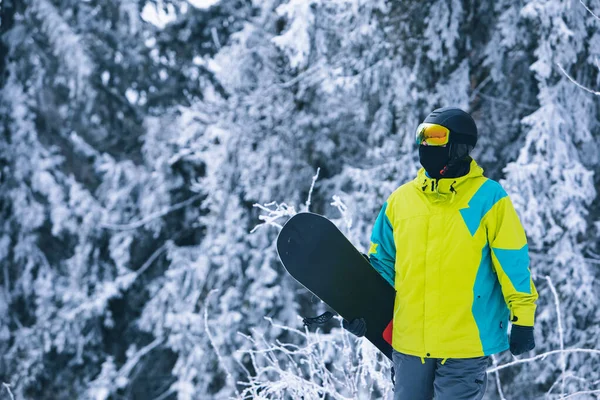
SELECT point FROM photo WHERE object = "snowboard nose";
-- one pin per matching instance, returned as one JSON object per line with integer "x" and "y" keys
{"x": 298, "y": 243}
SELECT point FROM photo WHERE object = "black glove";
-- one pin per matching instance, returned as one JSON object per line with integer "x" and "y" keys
{"x": 521, "y": 339}
{"x": 357, "y": 326}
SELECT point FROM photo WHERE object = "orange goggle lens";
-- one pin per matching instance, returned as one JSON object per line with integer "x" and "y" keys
{"x": 432, "y": 135}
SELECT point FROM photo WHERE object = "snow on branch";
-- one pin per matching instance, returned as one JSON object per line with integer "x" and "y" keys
{"x": 133, "y": 360}
{"x": 542, "y": 357}
{"x": 312, "y": 186}
{"x": 562, "y": 352}
{"x": 65, "y": 43}
{"x": 343, "y": 209}
{"x": 99, "y": 300}
{"x": 110, "y": 380}
{"x": 151, "y": 217}
{"x": 275, "y": 211}
{"x": 7, "y": 387}
{"x": 313, "y": 365}
{"x": 577, "y": 83}
{"x": 563, "y": 361}
{"x": 589, "y": 10}
{"x": 213, "y": 344}
{"x": 578, "y": 394}
{"x": 497, "y": 377}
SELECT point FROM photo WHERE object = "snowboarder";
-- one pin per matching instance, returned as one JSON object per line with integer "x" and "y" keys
{"x": 451, "y": 244}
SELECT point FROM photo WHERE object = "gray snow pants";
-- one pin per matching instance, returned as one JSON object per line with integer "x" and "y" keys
{"x": 455, "y": 379}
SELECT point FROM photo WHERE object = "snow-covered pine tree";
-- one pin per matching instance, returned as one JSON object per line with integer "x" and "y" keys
{"x": 131, "y": 156}
{"x": 552, "y": 184}
{"x": 92, "y": 197}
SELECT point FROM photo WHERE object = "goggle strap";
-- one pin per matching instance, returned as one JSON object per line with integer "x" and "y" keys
{"x": 456, "y": 137}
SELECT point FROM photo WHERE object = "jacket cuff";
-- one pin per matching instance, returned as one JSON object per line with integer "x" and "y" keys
{"x": 523, "y": 315}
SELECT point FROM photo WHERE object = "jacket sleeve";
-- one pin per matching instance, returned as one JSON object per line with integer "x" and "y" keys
{"x": 510, "y": 258}
{"x": 382, "y": 253}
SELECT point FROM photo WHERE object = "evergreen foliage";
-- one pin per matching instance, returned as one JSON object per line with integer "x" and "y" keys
{"x": 132, "y": 156}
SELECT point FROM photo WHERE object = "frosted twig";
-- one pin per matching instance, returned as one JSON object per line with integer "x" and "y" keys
{"x": 283, "y": 327}
{"x": 165, "y": 394}
{"x": 588, "y": 9}
{"x": 577, "y": 83}
{"x": 282, "y": 370}
{"x": 479, "y": 87}
{"x": 152, "y": 258}
{"x": 317, "y": 68}
{"x": 347, "y": 351}
{"x": 212, "y": 342}
{"x": 343, "y": 209}
{"x": 153, "y": 216}
{"x": 312, "y": 186}
{"x": 7, "y": 387}
{"x": 497, "y": 376}
{"x": 567, "y": 375}
{"x": 506, "y": 102}
{"x": 545, "y": 257}
{"x": 215, "y": 37}
{"x": 594, "y": 254}
{"x": 541, "y": 357}
{"x": 581, "y": 393}
{"x": 280, "y": 210}
{"x": 563, "y": 364}
{"x": 125, "y": 370}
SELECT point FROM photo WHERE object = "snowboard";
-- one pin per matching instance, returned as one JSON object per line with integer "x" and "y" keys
{"x": 318, "y": 255}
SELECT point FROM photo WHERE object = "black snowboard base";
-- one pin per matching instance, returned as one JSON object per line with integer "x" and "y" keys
{"x": 314, "y": 251}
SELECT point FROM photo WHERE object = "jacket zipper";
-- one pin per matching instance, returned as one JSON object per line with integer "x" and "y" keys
{"x": 425, "y": 284}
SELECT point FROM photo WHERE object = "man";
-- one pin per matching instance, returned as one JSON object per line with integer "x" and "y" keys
{"x": 451, "y": 244}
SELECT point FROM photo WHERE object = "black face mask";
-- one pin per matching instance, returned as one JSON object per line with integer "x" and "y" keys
{"x": 434, "y": 159}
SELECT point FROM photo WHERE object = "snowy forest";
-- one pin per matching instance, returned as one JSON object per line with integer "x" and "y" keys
{"x": 150, "y": 150}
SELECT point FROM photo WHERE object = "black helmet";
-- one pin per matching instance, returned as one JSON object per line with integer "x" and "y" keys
{"x": 461, "y": 125}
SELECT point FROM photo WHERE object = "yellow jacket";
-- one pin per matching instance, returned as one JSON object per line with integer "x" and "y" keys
{"x": 456, "y": 253}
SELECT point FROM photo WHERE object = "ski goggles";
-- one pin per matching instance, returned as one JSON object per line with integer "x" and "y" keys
{"x": 432, "y": 135}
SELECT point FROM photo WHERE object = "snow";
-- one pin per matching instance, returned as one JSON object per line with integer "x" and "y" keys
{"x": 295, "y": 41}
{"x": 203, "y": 3}
{"x": 145, "y": 171}
{"x": 159, "y": 14}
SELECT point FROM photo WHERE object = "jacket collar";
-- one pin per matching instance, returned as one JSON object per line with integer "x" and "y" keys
{"x": 445, "y": 185}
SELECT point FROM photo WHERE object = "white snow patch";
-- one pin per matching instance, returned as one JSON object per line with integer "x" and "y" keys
{"x": 203, "y": 3}
{"x": 295, "y": 41}
{"x": 159, "y": 14}
{"x": 132, "y": 96}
